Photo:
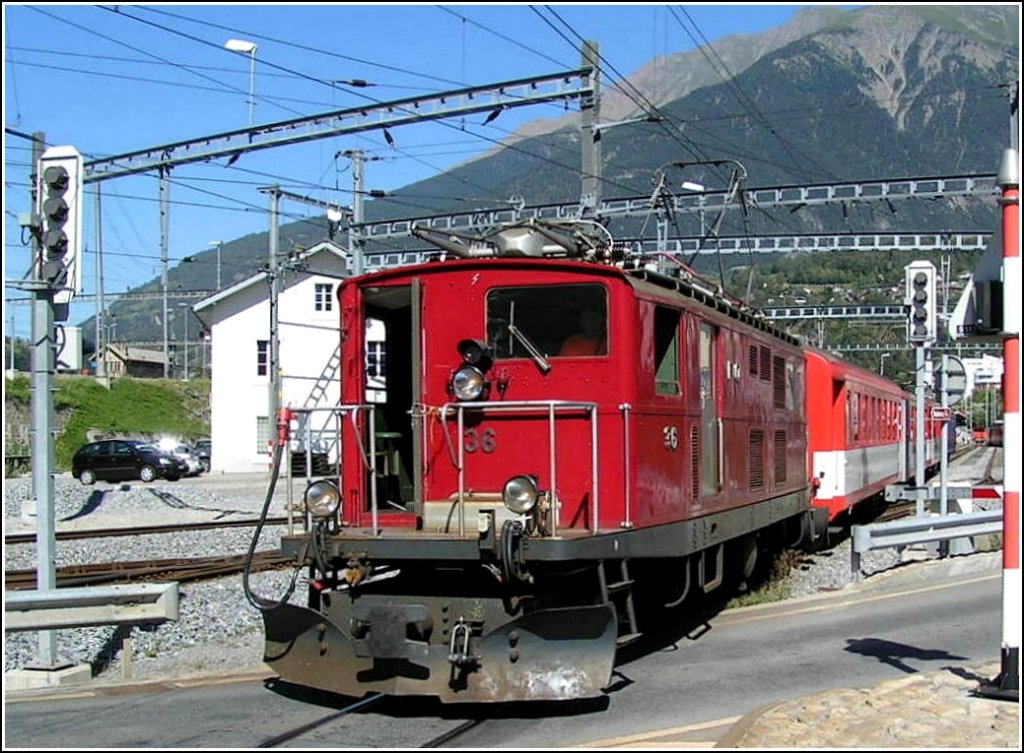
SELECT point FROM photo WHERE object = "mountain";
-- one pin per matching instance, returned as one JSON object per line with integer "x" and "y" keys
{"x": 833, "y": 95}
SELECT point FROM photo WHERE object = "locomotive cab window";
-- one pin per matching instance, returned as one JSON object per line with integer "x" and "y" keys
{"x": 556, "y": 321}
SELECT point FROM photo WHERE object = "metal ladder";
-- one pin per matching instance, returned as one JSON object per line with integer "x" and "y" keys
{"x": 316, "y": 395}
{"x": 619, "y": 593}
{"x": 324, "y": 380}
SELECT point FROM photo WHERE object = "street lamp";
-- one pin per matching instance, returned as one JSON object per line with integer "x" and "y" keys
{"x": 246, "y": 48}
{"x": 218, "y": 244}
{"x": 598, "y": 127}
{"x": 184, "y": 315}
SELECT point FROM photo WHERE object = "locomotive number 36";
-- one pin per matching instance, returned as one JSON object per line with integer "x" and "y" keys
{"x": 671, "y": 437}
{"x": 485, "y": 440}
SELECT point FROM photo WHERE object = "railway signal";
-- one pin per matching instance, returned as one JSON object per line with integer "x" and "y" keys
{"x": 920, "y": 297}
{"x": 59, "y": 196}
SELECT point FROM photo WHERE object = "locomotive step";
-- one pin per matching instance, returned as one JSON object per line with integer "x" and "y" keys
{"x": 628, "y": 638}
{"x": 622, "y": 585}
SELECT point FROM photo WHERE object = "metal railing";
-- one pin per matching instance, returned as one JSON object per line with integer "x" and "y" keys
{"x": 525, "y": 406}
{"x": 367, "y": 451}
{"x": 921, "y": 530}
{"x": 135, "y": 604}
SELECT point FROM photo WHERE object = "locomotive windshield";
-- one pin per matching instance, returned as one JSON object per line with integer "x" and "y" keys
{"x": 556, "y": 320}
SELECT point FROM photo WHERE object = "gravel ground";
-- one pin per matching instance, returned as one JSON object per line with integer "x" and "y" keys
{"x": 218, "y": 629}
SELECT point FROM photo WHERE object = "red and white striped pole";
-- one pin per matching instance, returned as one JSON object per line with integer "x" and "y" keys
{"x": 1007, "y": 684}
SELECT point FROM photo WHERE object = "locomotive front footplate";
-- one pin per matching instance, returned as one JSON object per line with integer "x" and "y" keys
{"x": 401, "y": 648}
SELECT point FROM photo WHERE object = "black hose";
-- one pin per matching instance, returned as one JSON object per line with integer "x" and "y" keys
{"x": 261, "y": 603}
{"x": 511, "y": 553}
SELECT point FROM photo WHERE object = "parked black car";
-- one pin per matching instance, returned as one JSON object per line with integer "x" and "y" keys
{"x": 121, "y": 459}
{"x": 202, "y": 449}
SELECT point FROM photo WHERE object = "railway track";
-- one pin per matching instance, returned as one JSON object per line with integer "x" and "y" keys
{"x": 181, "y": 570}
{"x": 285, "y": 737}
{"x": 101, "y": 533}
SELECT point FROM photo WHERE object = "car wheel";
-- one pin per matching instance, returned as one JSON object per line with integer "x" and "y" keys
{"x": 148, "y": 473}
{"x": 87, "y": 477}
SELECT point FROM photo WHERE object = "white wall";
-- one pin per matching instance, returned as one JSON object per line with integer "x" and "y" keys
{"x": 238, "y": 394}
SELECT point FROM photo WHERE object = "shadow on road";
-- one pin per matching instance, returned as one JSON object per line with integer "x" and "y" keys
{"x": 893, "y": 654}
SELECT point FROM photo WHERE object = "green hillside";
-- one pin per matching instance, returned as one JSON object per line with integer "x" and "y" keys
{"x": 141, "y": 408}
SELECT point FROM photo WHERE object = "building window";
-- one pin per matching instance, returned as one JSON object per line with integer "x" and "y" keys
{"x": 323, "y": 296}
{"x": 376, "y": 360}
{"x": 262, "y": 357}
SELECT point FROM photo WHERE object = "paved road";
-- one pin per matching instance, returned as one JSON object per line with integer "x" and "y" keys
{"x": 692, "y": 678}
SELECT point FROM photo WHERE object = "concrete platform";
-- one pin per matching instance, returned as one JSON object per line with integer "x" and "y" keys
{"x": 28, "y": 679}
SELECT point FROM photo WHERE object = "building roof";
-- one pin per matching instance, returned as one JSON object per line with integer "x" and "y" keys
{"x": 138, "y": 355}
{"x": 323, "y": 247}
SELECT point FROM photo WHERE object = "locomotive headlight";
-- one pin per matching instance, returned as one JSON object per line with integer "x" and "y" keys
{"x": 520, "y": 494}
{"x": 474, "y": 351}
{"x": 322, "y": 499}
{"x": 468, "y": 383}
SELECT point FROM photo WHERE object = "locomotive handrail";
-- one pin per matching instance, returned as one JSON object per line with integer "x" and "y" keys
{"x": 550, "y": 406}
{"x": 367, "y": 454}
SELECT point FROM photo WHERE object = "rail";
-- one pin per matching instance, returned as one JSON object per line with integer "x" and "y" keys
{"x": 526, "y": 406}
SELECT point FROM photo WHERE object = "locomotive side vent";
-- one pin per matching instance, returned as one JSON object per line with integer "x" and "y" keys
{"x": 780, "y": 457}
{"x": 753, "y": 360}
{"x": 766, "y": 364}
{"x": 779, "y": 381}
{"x": 695, "y": 462}
{"x": 756, "y": 459}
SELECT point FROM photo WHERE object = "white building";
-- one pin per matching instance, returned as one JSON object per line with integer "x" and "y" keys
{"x": 238, "y": 319}
{"x": 986, "y": 371}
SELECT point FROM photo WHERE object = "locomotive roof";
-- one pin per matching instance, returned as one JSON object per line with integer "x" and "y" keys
{"x": 688, "y": 286}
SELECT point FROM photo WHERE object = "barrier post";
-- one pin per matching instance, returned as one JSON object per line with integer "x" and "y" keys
{"x": 1007, "y": 684}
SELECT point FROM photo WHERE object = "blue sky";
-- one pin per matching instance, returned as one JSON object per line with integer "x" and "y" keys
{"x": 111, "y": 79}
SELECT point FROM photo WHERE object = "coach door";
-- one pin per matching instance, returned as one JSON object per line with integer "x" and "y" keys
{"x": 711, "y": 425}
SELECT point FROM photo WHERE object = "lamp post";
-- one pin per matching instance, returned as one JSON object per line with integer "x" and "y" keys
{"x": 246, "y": 48}
{"x": 218, "y": 244}
{"x": 184, "y": 316}
{"x": 881, "y": 363}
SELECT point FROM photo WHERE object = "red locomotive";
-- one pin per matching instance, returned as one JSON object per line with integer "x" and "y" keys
{"x": 558, "y": 432}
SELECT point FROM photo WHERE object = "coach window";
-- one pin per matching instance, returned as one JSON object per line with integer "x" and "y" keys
{"x": 666, "y": 351}
{"x": 563, "y": 321}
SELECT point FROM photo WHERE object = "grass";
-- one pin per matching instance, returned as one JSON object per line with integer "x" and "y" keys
{"x": 775, "y": 586}
{"x": 143, "y": 408}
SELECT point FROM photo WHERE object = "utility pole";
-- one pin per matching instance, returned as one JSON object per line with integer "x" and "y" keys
{"x": 273, "y": 272}
{"x": 54, "y": 225}
{"x": 356, "y": 243}
{"x": 274, "y": 277}
{"x": 590, "y": 114}
{"x": 101, "y": 368}
{"x": 164, "y": 191}
{"x": 43, "y": 426}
